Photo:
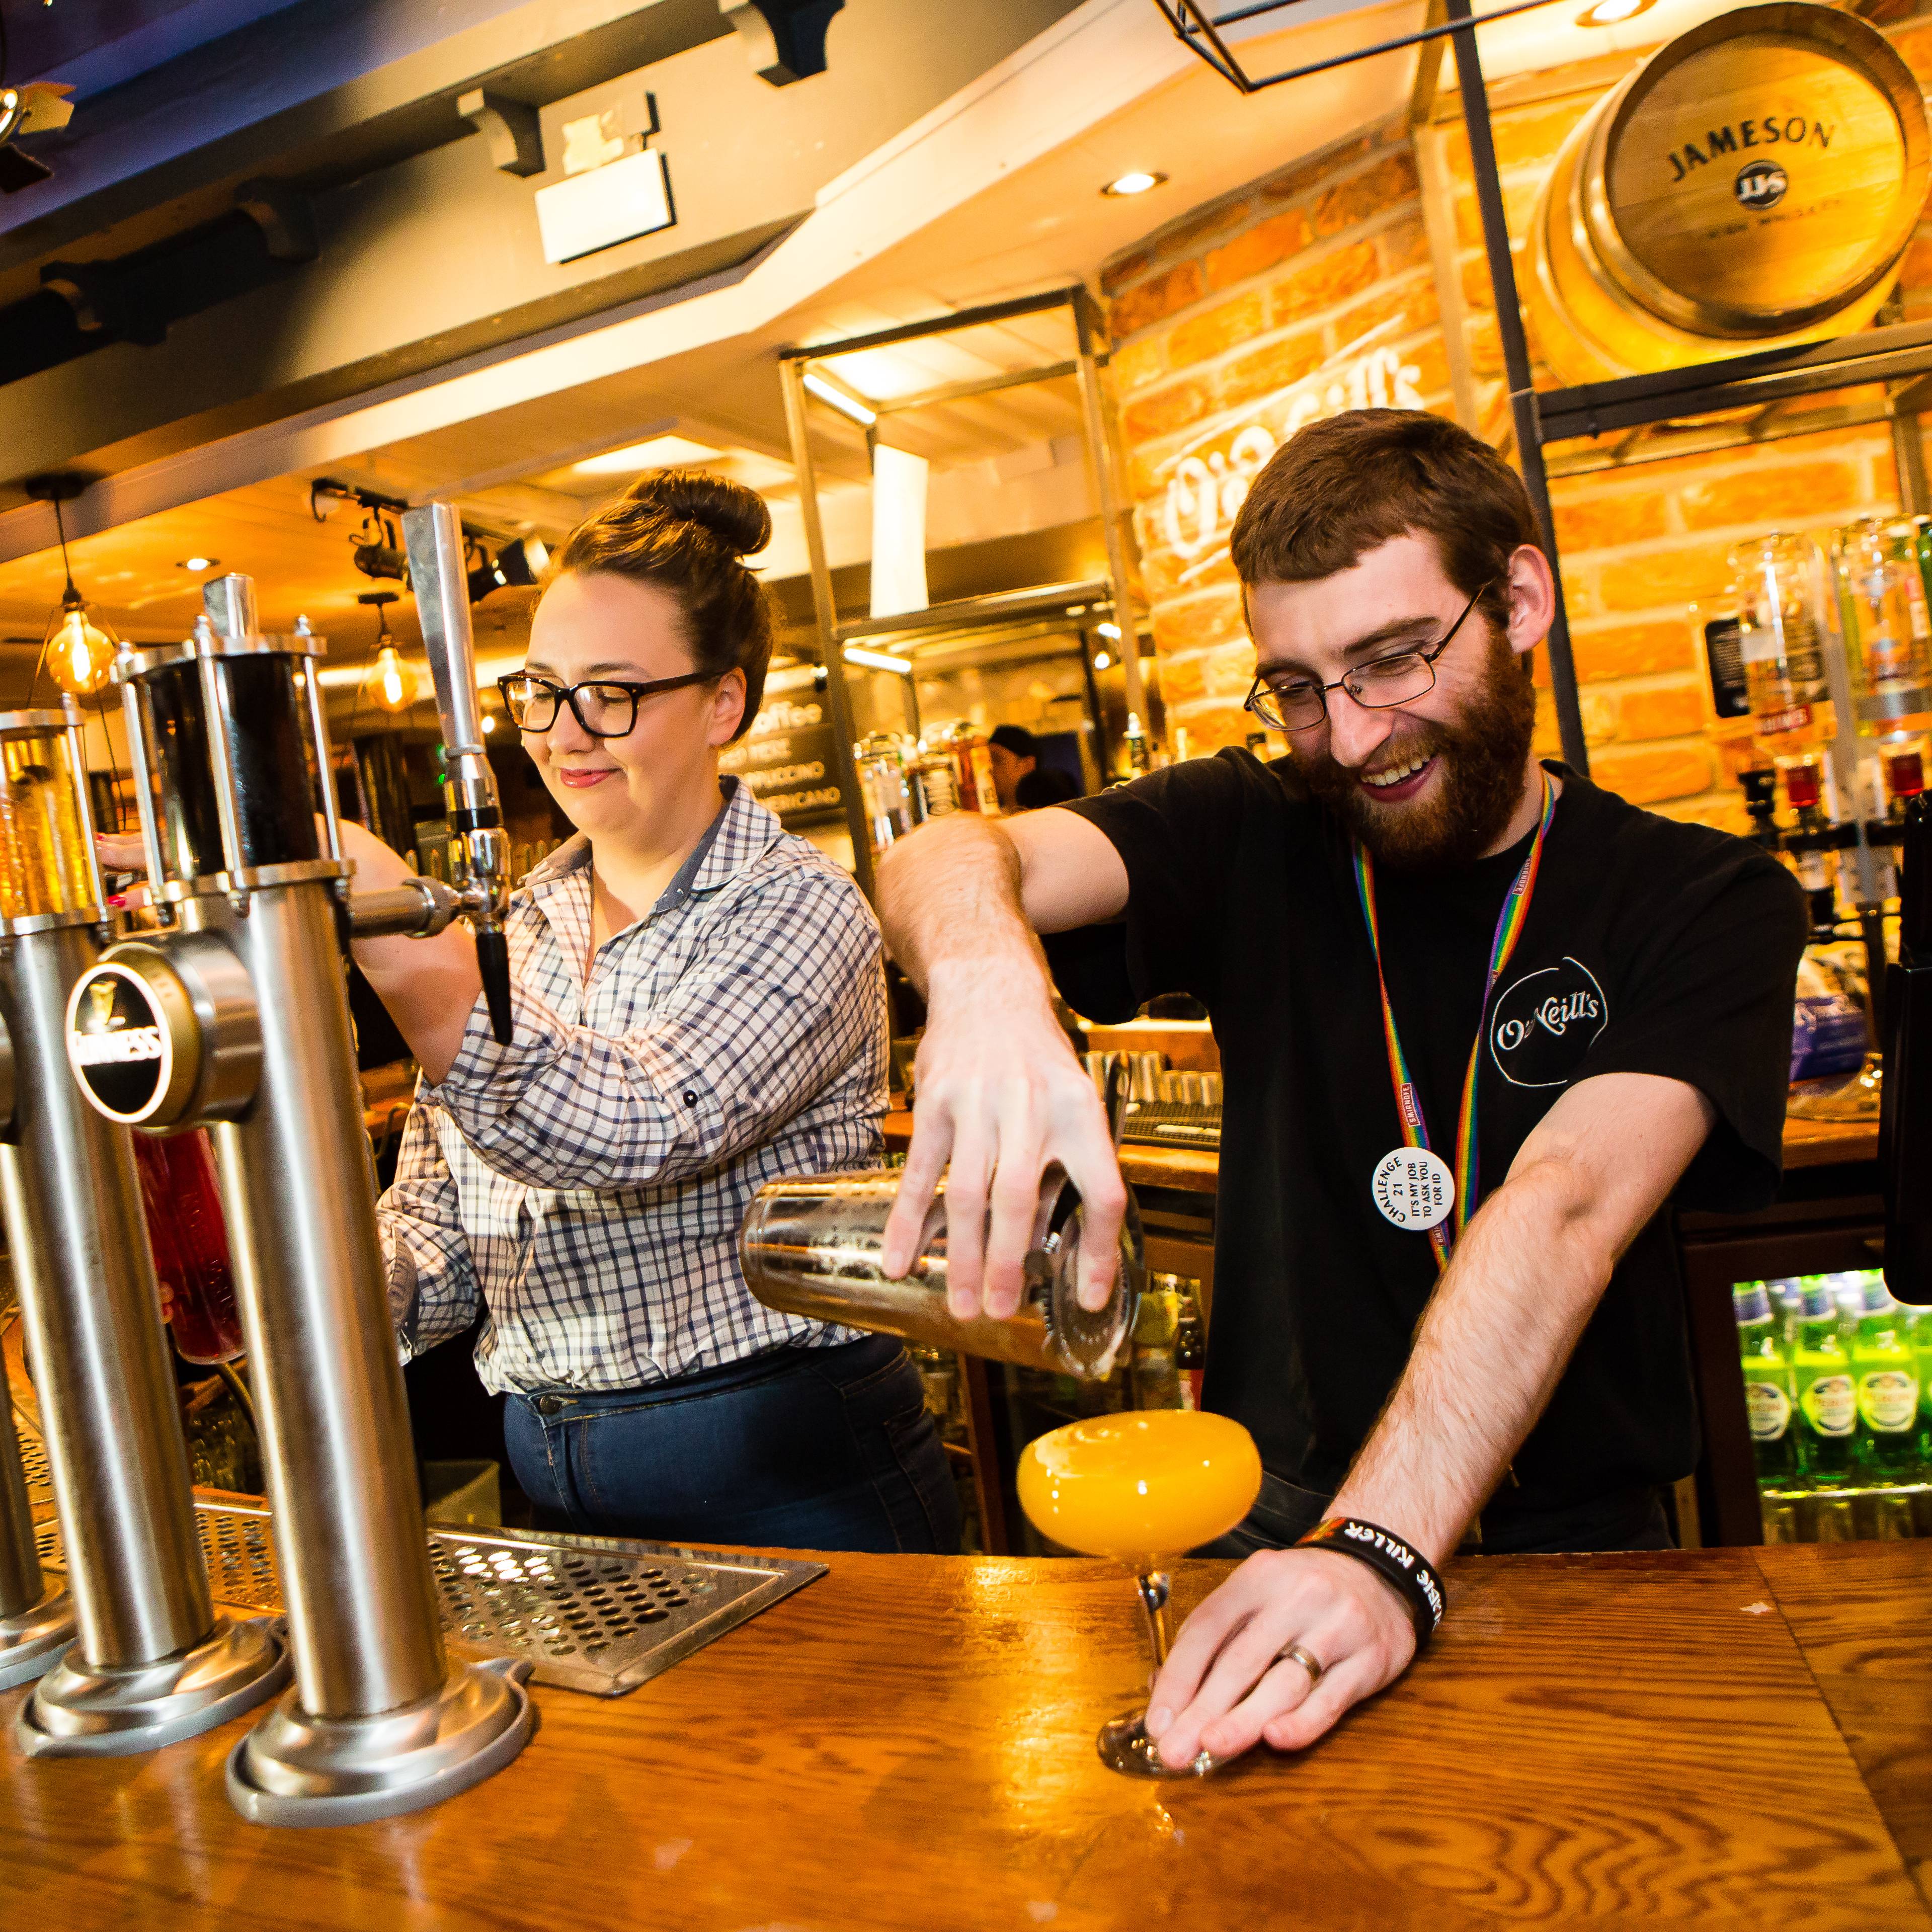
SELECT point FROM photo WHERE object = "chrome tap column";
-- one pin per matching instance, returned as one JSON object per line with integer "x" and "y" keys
{"x": 154, "y": 1663}
{"x": 244, "y": 1004}
{"x": 36, "y": 1620}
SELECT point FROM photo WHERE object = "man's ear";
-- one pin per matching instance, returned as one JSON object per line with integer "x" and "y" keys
{"x": 1532, "y": 598}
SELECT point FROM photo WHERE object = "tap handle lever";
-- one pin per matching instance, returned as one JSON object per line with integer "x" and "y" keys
{"x": 432, "y": 536}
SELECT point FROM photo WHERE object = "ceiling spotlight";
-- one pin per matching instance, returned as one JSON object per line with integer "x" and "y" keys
{"x": 840, "y": 398}
{"x": 197, "y": 563}
{"x": 1138, "y": 180}
{"x": 1612, "y": 12}
{"x": 1101, "y": 661}
{"x": 32, "y": 109}
{"x": 515, "y": 567}
{"x": 1108, "y": 630}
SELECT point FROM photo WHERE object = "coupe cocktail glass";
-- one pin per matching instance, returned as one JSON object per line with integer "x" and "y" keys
{"x": 1142, "y": 1487}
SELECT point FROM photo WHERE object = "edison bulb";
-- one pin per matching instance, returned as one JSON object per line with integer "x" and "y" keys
{"x": 80, "y": 655}
{"x": 391, "y": 682}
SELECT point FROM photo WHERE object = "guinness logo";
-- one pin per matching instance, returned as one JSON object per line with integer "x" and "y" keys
{"x": 1760, "y": 185}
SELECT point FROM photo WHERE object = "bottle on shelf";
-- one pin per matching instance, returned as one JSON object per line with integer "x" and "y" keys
{"x": 1827, "y": 1391}
{"x": 1140, "y": 755}
{"x": 1887, "y": 1367}
{"x": 1190, "y": 1348}
{"x": 1902, "y": 779}
{"x": 1784, "y": 666}
{"x": 1812, "y": 840}
{"x": 1770, "y": 1392}
{"x": 1888, "y": 635}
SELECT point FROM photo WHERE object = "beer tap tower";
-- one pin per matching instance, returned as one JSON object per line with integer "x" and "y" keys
{"x": 236, "y": 1017}
{"x": 153, "y": 1662}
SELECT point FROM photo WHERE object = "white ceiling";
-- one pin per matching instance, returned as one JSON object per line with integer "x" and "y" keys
{"x": 996, "y": 193}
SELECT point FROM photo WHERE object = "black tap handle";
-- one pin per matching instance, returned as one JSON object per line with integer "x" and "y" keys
{"x": 493, "y": 961}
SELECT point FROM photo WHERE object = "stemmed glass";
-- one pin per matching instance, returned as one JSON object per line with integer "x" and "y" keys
{"x": 1142, "y": 1488}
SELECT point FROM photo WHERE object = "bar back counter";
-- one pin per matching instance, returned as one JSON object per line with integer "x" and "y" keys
{"x": 1724, "y": 1738}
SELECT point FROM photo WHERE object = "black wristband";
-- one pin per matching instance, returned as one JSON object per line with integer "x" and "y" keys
{"x": 1387, "y": 1554}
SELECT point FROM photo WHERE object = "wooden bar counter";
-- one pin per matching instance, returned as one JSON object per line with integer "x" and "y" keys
{"x": 1726, "y": 1738}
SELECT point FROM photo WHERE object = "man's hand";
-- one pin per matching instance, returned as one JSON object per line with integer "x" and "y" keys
{"x": 1001, "y": 1097}
{"x": 1225, "y": 1684}
{"x": 999, "y": 1091}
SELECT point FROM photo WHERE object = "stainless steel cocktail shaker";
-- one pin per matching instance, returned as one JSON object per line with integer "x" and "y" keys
{"x": 811, "y": 1246}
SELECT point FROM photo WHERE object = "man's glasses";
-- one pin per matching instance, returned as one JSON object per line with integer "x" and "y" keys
{"x": 603, "y": 709}
{"x": 1286, "y": 703}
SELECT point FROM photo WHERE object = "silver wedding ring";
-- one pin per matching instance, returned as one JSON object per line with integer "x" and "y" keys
{"x": 1308, "y": 1661}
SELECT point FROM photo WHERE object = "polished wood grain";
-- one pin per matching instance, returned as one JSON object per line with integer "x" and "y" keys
{"x": 1862, "y": 1617}
{"x": 1618, "y": 1741}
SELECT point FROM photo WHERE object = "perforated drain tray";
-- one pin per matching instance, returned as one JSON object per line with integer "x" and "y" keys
{"x": 593, "y": 1613}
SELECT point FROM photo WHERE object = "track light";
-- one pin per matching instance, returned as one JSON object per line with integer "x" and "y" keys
{"x": 515, "y": 567}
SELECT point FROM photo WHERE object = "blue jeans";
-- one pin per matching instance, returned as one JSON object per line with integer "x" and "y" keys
{"x": 796, "y": 1449}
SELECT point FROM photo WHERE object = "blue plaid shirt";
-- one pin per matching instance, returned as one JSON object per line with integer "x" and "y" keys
{"x": 585, "y": 1185}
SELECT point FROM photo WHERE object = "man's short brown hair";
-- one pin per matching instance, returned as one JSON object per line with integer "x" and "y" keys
{"x": 1339, "y": 488}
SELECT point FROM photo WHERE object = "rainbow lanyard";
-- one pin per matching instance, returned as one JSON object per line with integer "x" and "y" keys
{"x": 1408, "y": 1096}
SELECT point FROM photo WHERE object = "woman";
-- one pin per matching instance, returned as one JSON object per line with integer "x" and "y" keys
{"x": 699, "y": 1008}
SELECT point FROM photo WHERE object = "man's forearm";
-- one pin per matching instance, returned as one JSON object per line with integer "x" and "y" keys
{"x": 949, "y": 905}
{"x": 1525, "y": 1279}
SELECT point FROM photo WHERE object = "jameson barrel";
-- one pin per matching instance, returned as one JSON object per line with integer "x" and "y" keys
{"x": 1753, "y": 183}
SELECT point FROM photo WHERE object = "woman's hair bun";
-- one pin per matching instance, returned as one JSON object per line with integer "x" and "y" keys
{"x": 734, "y": 515}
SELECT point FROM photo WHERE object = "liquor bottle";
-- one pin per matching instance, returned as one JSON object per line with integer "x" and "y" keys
{"x": 1888, "y": 1376}
{"x": 1812, "y": 840}
{"x": 1190, "y": 1348}
{"x": 1904, "y": 779}
{"x": 1720, "y": 637}
{"x": 1883, "y": 595}
{"x": 1139, "y": 753}
{"x": 1770, "y": 1392}
{"x": 1784, "y": 668}
{"x": 1828, "y": 1408}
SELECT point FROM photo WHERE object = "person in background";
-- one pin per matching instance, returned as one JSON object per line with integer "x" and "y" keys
{"x": 1022, "y": 781}
{"x": 699, "y": 1008}
{"x": 1419, "y": 944}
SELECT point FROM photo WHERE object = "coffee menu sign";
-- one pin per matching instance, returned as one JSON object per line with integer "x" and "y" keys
{"x": 789, "y": 760}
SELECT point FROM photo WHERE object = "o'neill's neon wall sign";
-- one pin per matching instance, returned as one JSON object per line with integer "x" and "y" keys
{"x": 1204, "y": 493}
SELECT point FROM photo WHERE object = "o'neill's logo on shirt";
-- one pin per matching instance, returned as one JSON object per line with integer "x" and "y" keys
{"x": 1543, "y": 1024}
{"x": 1774, "y": 130}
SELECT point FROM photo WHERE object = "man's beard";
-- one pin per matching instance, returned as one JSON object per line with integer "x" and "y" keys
{"x": 1483, "y": 752}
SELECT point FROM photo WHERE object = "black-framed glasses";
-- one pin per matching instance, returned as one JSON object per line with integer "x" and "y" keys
{"x": 1291, "y": 704}
{"x": 604, "y": 709}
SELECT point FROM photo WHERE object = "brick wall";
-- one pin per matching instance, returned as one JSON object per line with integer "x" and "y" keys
{"x": 1233, "y": 324}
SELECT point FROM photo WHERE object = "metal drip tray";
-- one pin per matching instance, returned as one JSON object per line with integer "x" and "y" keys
{"x": 593, "y": 1613}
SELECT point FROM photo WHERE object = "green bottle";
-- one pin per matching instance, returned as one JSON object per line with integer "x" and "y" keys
{"x": 1827, "y": 1407}
{"x": 1770, "y": 1391}
{"x": 1888, "y": 1374}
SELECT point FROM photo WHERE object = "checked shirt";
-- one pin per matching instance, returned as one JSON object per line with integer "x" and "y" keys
{"x": 584, "y": 1185}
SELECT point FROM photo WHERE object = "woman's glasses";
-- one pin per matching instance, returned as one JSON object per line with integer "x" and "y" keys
{"x": 1286, "y": 703}
{"x": 603, "y": 709}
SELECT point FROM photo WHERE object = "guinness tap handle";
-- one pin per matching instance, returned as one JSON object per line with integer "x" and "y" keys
{"x": 432, "y": 536}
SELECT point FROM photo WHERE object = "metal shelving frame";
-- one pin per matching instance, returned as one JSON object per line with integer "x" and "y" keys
{"x": 999, "y": 607}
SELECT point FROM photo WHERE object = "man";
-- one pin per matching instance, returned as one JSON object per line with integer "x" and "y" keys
{"x": 1524, "y": 1379}
{"x": 1022, "y": 783}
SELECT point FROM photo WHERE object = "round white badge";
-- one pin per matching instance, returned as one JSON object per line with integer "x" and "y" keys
{"x": 1413, "y": 1187}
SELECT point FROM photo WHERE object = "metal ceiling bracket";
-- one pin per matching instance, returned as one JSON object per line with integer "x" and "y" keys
{"x": 512, "y": 128}
{"x": 785, "y": 39}
{"x": 286, "y": 216}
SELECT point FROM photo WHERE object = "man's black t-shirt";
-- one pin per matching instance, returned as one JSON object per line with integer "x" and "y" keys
{"x": 1650, "y": 946}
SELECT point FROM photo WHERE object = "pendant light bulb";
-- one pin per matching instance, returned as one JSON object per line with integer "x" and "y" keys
{"x": 391, "y": 682}
{"x": 79, "y": 654}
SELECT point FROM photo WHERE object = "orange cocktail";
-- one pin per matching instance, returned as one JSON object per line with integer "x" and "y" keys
{"x": 1142, "y": 1487}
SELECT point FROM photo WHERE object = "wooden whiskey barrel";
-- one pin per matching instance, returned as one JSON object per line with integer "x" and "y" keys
{"x": 1753, "y": 183}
